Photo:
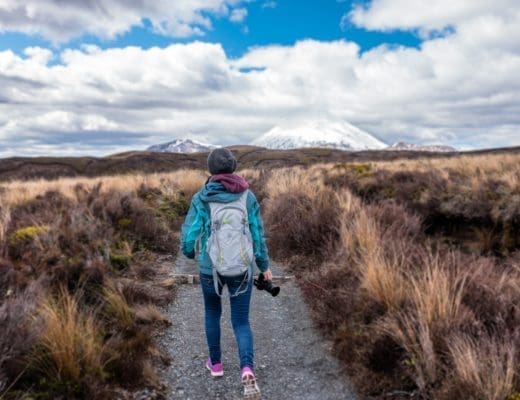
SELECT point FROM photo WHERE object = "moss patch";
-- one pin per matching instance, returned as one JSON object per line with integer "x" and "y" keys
{"x": 174, "y": 207}
{"x": 27, "y": 234}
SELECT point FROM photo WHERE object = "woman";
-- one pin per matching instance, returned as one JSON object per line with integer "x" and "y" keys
{"x": 225, "y": 187}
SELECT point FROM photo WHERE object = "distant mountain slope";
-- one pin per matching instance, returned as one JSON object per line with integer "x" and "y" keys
{"x": 186, "y": 146}
{"x": 320, "y": 134}
{"x": 420, "y": 147}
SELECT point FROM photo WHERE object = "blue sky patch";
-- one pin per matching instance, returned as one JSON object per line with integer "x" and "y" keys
{"x": 283, "y": 22}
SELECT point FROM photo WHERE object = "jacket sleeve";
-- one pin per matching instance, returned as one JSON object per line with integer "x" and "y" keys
{"x": 191, "y": 228}
{"x": 256, "y": 227}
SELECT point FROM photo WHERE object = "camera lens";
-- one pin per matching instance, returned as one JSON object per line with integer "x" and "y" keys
{"x": 262, "y": 284}
{"x": 274, "y": 290}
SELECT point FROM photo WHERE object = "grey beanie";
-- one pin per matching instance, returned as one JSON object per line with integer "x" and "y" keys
{"x": 221, "y": 161}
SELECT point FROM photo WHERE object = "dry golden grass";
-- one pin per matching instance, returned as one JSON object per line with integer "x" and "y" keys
{"x": 189, "y": 181}
{"x": 294, "y": 180}
{"x": 348, "y": 203}
{"x": 360, "y": 236}
{"x": 475, "y": 169}
{"x": 149, "y": 313}
{"x": 5, "y": 218}
{"x": 71, "y": 345}
{"x": 116, "y": 306}
{"x": 437, "y": 293}
{"x": 350, "y": 207}
{"x": 504, "y": 166}
{"x": 486, "y": 367}
{"x": 250, "y": 174}
{"x": 367, "y": 235}
{"x": 415, "y": 337}
{"x": 383, "y": 281}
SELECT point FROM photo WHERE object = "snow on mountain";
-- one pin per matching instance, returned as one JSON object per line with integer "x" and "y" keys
{"x": 322, "y": 133}
{"x": 182, "y": 146}
{"x": 420, "y": 147}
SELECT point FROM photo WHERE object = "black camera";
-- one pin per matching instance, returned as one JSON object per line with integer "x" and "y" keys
{"x": 263, "y": 284}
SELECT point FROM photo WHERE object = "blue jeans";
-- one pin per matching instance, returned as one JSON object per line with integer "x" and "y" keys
{"x": 239, "y": 317}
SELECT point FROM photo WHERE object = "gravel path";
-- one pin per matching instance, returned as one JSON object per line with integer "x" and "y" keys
{"x": 292, "y": 360}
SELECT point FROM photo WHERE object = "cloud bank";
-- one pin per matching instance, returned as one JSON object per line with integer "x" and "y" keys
{"x": 62, "y": 20}
{"x": 461, "y": 88}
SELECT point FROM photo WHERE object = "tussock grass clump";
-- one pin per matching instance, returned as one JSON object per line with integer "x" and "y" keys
{"x": 69, "y": 352}
{"x": 437, "y": 293}
{"x": 486, "y": 367}
{"x": 383, "y": 282}
{"x": 115, "y": 306}
{"x": 415, "y": 337}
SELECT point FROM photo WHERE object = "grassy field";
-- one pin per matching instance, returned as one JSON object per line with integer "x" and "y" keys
{"x": 410, "y": 267}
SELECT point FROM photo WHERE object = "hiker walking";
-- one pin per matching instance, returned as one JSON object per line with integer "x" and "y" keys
{"x": 225, "y": 227}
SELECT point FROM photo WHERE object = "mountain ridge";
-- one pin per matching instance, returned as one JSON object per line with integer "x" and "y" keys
{"x": 184, "y": 145}
{"x": 439, "y": 148}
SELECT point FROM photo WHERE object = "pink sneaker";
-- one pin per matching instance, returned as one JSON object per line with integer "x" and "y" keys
{"x": 215, "y": 369}
{"x": 251, "y": 390}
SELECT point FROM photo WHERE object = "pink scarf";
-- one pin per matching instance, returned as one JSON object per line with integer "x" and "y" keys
{"x": 232, "y": 182}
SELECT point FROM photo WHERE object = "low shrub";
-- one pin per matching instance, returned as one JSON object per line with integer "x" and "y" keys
{"x": 303, "y": 226}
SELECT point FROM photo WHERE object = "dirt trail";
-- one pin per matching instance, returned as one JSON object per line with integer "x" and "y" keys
{"x": 292, "y": 360}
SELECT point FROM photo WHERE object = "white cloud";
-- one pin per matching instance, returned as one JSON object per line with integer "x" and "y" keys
{"x": 462, "y": 90}
{"x": 425, "y": 15}
{"x": 269, "y": 4}
{"x": 60, "y": 21}
{"x": 238, "y": 15}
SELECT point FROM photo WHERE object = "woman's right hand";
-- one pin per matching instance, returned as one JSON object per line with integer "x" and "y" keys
{"x": 268, "y": 275}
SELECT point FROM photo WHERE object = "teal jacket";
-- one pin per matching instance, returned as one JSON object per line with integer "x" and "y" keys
{"x": 198, "y": 223}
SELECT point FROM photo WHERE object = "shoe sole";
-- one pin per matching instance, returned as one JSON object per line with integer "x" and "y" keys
{"x": 215, "y": 374}
{"x": 251, "y": 390}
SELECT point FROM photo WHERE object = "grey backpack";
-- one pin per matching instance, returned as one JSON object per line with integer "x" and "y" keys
{"x": 230, "y": 246}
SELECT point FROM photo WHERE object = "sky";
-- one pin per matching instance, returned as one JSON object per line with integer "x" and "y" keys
{"x": 97, "y": 77}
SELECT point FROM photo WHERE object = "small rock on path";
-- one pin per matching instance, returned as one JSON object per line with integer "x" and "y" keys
{"x": 291, "y": 360}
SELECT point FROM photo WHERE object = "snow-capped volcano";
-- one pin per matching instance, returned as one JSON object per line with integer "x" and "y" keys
{"x": 182, "y": 146}
{"x": 322, "y": 133}
{"x": 437, "y": 148}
